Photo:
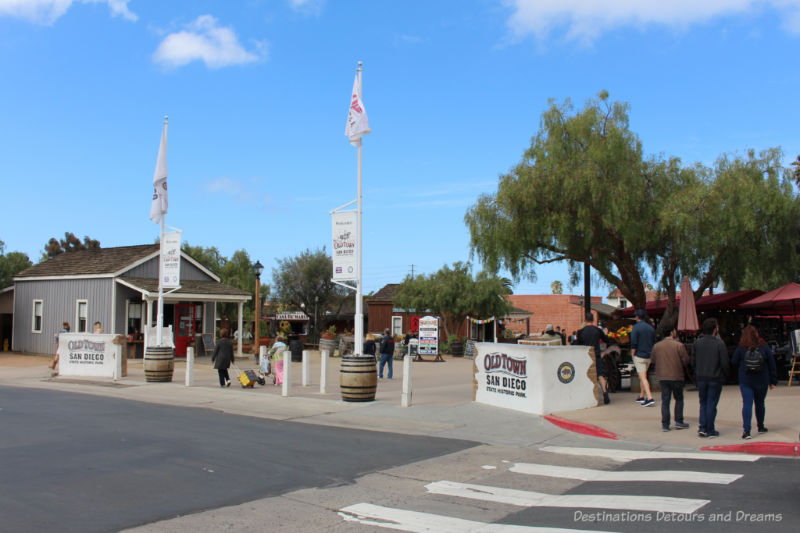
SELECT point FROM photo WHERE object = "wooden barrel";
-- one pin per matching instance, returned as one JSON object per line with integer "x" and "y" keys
{"x": 327, "y": 344}
{"x": 159, "y": 363}
{"x": 358, "y": 379}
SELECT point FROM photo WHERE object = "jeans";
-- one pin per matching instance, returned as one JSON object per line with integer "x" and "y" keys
{"x": 709, "y": 393}
{"x": 223, "y": 376}
{"x": 385, "y": 358}
{"x": 750, "y": 395}
{"x": 668, "y": 390}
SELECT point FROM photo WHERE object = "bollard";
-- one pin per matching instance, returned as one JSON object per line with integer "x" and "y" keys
{"x": 262, "y": 353}
{"x": 323, "y": 372}
{"x": 287, "y": 373}
{"x": 405, "y": 397}
{"x": 117, "y": 362}
{"x": 190, "y": 366}
{"x": 304, "y": 372}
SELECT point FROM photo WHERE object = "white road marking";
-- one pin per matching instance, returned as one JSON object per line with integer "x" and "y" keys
{"x": 400, "y": 519}
{"x": 524, "y": 498}
{"x": 587, "y": 474}
{"x": 624, "y": 456}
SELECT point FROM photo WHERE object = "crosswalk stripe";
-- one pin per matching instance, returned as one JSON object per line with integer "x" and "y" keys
{"x": 623, "y": 456}
{"x": 587, "y": 474}
{"x": 539, "y": 499}
{"x": 400, "y": 519}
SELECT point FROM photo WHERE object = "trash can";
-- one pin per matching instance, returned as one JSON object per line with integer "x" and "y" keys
{"x": 296, "y": 347}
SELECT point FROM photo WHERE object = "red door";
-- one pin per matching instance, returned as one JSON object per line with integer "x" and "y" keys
{"x": 185, "y": 330}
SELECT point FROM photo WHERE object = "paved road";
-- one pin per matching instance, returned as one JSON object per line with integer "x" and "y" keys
{"x": 74, "y": 462}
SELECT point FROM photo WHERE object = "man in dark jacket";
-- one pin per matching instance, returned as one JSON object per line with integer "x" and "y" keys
{"x": 711, "y": 365}
{"x": 387, "y": 351}
{"x": 643, "y": 337}
{"x": 591, "y": 335}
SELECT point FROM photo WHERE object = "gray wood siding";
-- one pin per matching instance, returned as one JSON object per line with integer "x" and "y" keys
{"x": 123, "y": 295}
{"x": 208, "y": 318}
{"x": 58, "y": 305}
{"x": 149, "y": 270}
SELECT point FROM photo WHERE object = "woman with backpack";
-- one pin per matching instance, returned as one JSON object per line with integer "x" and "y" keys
{"x": 757, "y": 374}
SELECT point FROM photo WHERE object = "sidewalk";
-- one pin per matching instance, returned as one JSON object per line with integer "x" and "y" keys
{"x": 441, "y": 405}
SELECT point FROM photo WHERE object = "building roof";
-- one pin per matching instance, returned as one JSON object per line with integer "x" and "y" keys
{"x": 386, "y": 294}
{"x": 199, "y": 290}
{"x": 601, "y": 308}
{"x": 100, "y": 261}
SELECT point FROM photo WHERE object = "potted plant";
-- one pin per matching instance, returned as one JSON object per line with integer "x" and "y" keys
{"x": 327, "y": 340}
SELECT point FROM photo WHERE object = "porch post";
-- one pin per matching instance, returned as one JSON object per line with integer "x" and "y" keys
{"x": 241, "y": 333}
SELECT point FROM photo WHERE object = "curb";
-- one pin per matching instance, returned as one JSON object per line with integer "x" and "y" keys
{"x": 579, "y": 427}
{"x": 782, "y": 449}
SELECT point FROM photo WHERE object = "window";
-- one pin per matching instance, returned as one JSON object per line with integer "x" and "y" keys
{"x": 81, "y": 316}
{"x": 134, "y": 318}
{"x": 397, "y": 325}
{"x": 36, "y": 324}
{"x": 623, "y": 302}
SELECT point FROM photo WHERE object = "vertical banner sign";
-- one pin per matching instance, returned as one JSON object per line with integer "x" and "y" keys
{"x": 429, "y": 335}
{"x": 344, "y": 246}
{"x": 171, "y": 260}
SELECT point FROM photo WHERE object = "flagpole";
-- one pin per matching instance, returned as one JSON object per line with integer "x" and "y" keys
{"x": 160, "y": 308}
{"x": 359, "y": 325}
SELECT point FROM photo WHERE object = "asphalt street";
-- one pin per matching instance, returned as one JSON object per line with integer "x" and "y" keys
{"x": 75, "y": 462}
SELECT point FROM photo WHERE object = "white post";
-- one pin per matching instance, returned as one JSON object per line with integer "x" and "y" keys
{"x": 405, "y": 397}
{"x": 190, "y": 366}
{"x": 241, "y": 333}
{"x": 359, "y": 317}
{"x": 323, "y": 372}
{"x": 304, "y": 373}
{"x": 262, "y": 353}
{"x": 287, "y": 373}
{"x": 118, "y": 361}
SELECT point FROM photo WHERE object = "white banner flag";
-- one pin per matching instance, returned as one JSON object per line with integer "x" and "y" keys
{"x": 159, "y": 206}
{"x": 344, "y": 246}
{"x": 171, "y": 260}
{"x": 357, "y": 123}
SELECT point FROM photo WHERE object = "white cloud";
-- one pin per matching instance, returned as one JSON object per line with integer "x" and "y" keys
{"x": 48, "y": 11}
{"x": 204, "y": 40}
{"x": 311, "y": 7}
{"x": 586, "y": 20}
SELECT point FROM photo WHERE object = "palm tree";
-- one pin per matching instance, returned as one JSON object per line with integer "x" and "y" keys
{"x": 557, "y": 287}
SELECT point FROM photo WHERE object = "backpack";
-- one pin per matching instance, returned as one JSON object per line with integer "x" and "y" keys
{"x": 753, "y": 361}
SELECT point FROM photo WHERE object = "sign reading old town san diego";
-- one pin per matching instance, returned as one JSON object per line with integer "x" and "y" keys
{"x": 505, "y": 374}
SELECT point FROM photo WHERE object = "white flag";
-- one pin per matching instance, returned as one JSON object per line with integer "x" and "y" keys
{"x": 159, "y": 206}
{"x": 357, "y": 123}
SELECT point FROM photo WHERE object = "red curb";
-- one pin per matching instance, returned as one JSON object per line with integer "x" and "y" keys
{"x": 785, "y": 449}
{"x": 579, "y": 427}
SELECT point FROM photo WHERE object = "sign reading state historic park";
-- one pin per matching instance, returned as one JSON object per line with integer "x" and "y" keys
{"x": 86, "y": 354}
{"x": 534, "y": 379}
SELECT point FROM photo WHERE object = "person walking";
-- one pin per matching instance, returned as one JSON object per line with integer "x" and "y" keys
{"x": 223, "y": 357}
{"x": 757, "y": 374}
{"x": 54, "y": 363}
{"x": 591, "y": 335}
{"x": 276, "y": 354}
{"x": 387, "y": 351}
{"x": 670, "y": 359}
{"x": 711, "y": 366}
{"x": 643, "y": 338}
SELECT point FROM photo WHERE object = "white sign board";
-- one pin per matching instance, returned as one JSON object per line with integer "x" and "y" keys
{"x": 86, "y": 354}
{"x": 344, "y": 247}
{"x": 535, "y": 379}
{"x": 428, "y": 335}
{"x": 171, "y": 260}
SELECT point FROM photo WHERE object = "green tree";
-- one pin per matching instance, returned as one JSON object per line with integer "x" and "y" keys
{"x": 453, "y": 294}
{"x": 584, "y": 192}
{"x": 70, "y": 243}
{"x": 304, "y": 282}
{"x": 211, "y": 258}
{"x": 11, "y": 264}
{"x": 556, "y": 287}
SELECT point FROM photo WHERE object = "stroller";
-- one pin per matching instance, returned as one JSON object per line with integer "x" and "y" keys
{"x": 248, "y": 378}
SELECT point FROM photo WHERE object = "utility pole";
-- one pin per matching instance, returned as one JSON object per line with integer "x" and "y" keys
{"x": 412, "y": 271}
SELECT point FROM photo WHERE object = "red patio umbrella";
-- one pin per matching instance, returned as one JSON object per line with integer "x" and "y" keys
{"x": 687, "y": 314}
{"x": 781, "y": 301}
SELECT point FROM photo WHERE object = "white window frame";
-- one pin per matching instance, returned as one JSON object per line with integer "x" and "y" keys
{"x": 78, "y": 316}
{"x": 33, "y": 316}
{"x": 400, "y": 319}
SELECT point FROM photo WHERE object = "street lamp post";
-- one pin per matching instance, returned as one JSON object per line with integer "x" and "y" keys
{"x": 316, "y": 326}
{"x": 257, "y": 269}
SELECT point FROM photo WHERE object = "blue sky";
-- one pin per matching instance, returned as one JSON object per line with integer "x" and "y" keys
{"x": 257, "y": 93}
